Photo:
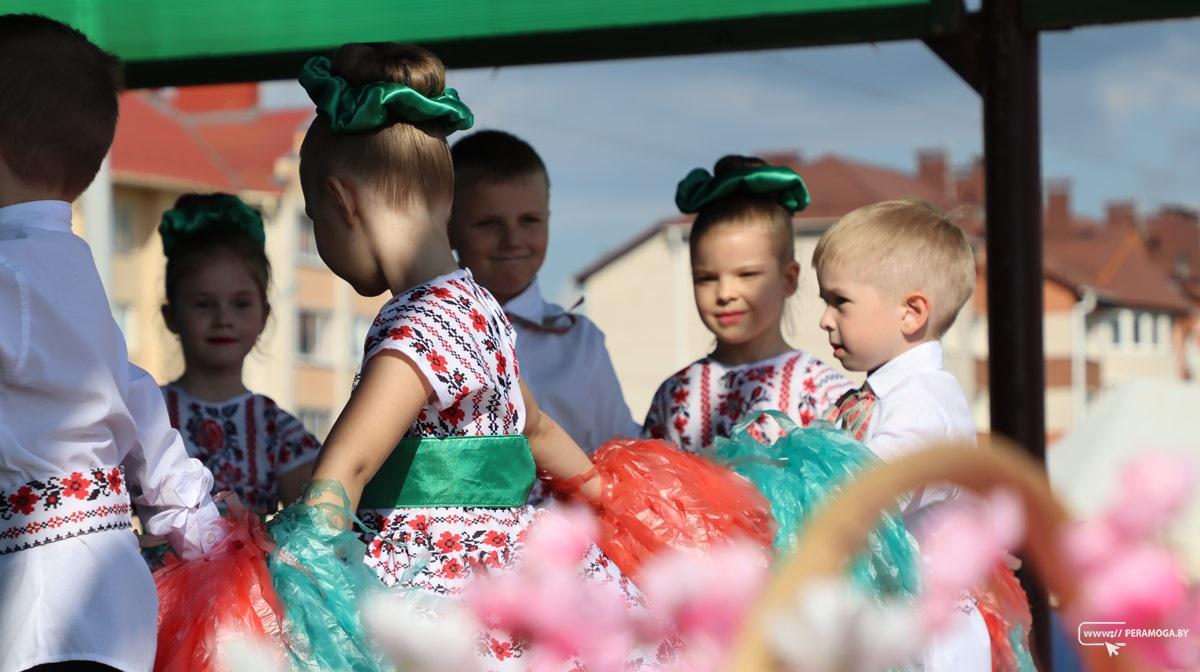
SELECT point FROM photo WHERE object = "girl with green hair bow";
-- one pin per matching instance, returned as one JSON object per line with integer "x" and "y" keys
{"x": 438, "y": 447}
{"x": 217, "y": 276}
{"x": 743, "y": 273}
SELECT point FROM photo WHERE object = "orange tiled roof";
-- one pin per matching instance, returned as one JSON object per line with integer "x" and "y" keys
{"x": 1113, "y": 259}
{"x": 229, "y": 151}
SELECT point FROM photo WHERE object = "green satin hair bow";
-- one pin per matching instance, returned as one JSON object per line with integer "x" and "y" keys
{"x": 179, "y": 224}
{"x": 777, "y": 183}
{"x": 354, "y": 108}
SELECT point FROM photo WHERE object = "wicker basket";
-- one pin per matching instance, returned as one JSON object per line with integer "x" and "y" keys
{"x": 840, "y": 531}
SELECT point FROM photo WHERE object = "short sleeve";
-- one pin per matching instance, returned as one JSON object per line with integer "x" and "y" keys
{"x": 14, "y": 327}
{"x": 655, "y": 424}
{"x": 297, "y": 446}
{"x": 419, "y": 340}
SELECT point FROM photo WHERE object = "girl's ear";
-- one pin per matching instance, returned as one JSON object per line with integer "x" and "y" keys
{"x": 915, "y": 316}
{"x": 169, "y": 318}
{"x": 344, "y": 199}
{"x": 791, "y": 277}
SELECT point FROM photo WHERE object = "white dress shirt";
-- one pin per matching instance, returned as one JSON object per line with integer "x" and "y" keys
{"x": 569, "y": 373}
{"x": 919, "y": 404}
{"x": 72, "y": 407}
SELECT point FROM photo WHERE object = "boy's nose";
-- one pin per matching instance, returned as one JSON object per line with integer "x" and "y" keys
{"x": 826, "y": 322}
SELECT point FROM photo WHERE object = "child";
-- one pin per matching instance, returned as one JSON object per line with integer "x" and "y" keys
{"x": 500, "y": 227}
{"x": 80, "y": 427}
{"x": 743, "y": 271}
{"x": 440, "y": 374}
{"x": 893, "y": 276}
{"x": 216, "y": 302}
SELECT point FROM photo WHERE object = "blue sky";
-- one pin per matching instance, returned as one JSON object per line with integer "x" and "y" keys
{"x": 1120, "y": 118}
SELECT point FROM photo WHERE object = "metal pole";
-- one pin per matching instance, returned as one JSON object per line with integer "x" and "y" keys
{"x": 1012, "y": 155}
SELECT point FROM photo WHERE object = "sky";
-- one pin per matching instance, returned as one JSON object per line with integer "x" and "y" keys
{"x": 1120, "y": 119}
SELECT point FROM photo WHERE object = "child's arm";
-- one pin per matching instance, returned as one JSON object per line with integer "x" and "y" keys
{"x": 174, "y": 501}
{"x": 389, "y": 396}
{"x": 292, "y": 483}
{"x": 554, "y": 451}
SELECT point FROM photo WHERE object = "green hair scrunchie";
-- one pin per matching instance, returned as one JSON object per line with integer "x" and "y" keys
{"x": 354, "y": 108}
{"x": 778, "y": 184}
{"x": 224, "y": 210}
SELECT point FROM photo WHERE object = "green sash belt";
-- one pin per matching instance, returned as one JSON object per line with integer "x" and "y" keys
{"x": 487, "y": 471}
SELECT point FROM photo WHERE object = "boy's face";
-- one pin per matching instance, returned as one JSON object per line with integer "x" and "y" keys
{"x": 500, "y": 230}
{"x": 864, "y": 325}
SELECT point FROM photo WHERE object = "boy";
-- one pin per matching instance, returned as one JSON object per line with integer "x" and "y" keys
{"x": 499, "y": 227}
{"x": 80, "y": 427}
{"x": 893, "y": 276}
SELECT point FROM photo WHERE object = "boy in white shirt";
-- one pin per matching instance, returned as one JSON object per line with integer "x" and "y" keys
{"x": 80, "y": 427}
{"x": 893, "y": 276}
{"x": 500, "y": 229}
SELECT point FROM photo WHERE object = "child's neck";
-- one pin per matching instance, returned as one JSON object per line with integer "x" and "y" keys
{"x": 211, "y": 385}
{"x": 424, "y": 254}
{"x": 755, "y": 350}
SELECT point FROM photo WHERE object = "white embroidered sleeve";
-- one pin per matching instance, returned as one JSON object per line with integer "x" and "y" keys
{"x": 175, "y": 500}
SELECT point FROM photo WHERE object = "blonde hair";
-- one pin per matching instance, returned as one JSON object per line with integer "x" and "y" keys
{"x": 904, "y": 246}
{"x": 404, "y": 162}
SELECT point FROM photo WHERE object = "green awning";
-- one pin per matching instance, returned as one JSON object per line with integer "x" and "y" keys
{"x": 180, "y": 42}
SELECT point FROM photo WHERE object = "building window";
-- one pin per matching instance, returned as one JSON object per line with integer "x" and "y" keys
{"x": 315, "y": 420}
{"x": 1115, "y": 327}
{"x": 310, "y": 335}
{"x": 306, "y": 238}
{"x": 124, "y": 228}
{"x": 1162, "y": 330}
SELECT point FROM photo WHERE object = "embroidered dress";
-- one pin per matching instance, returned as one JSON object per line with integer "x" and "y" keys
{"x": 459, "y": 338}
{"x": 247, "y": 442}
{"x": 705, "y": 400}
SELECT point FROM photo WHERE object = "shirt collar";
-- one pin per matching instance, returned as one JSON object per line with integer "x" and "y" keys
{"x": 529, "y": 304}
{"x": 925, "y": 358}
{"x": 49, "y": 215}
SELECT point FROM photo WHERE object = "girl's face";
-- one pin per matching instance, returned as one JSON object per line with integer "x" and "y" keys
{"x": 218, "y": 313}
{"x": 740, "y": 285}
{"x": 345, "y": 249}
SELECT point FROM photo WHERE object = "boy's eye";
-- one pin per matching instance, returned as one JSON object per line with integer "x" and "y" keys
{"x": 748, "y": 274}
{"x": 700, "y": 279}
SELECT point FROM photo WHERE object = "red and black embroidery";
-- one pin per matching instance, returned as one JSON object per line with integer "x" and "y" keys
{"x": 247, "y": 443}
{"x": 704, "y": 401}
{"x": 51, "y": 509}
{"x": 49, "y": 494}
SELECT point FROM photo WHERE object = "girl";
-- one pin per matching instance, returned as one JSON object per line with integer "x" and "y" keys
{"x": 440, "y": 374}
{"x": 216, "y": 302}
{"x": 743, "y": 271}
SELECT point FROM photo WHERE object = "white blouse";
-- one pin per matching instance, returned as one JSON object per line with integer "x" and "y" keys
{"x": 82, "y": 432}
{"x": 567, "y": 367}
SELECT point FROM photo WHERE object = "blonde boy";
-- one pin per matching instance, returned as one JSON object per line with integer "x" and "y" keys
{"x": 893, "y": 276}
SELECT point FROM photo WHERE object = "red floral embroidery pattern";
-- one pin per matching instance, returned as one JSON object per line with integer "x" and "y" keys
{"x": 690, "y": 414}
{"x": 88, "y": 501}
{"x": 464, "y": 345}
{"x": 247, "y": 443}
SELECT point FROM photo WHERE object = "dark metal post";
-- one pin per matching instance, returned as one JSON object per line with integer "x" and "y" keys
{"x": 1012, "y": 155}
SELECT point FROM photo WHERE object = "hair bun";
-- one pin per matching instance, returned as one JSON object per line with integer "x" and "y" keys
{"x": 407, "y": 64}
{"x": 734, "y": 162}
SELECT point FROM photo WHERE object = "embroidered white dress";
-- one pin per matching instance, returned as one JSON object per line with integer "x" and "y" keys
{"x": 248, "y": 442}
{"x": 79, "y": 429}
{"x": 464, "y": 346}
{"x": 706, "y": 399}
